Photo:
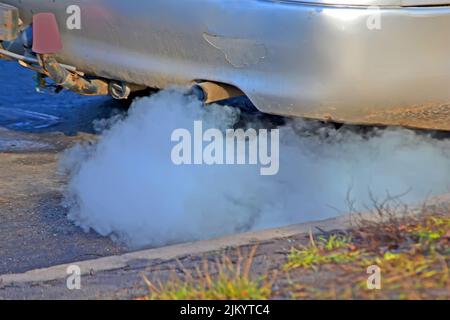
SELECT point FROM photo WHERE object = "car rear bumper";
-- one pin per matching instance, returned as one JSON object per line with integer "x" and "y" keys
{"x": 388, "y": 65}
{"x": 359, "y": 65}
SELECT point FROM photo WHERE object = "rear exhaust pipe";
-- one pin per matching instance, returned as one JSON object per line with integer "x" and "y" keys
{"x": 120, "y": 90}
{"x": 210, "y": 92}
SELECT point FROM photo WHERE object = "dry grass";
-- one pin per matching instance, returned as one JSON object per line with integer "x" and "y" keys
{"x": 336, "y": 249}
{"x": 223, "y": 280}
{"x": 412, "y": 251}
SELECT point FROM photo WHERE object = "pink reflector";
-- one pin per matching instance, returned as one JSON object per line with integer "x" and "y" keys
{"x": 46, "y": 37}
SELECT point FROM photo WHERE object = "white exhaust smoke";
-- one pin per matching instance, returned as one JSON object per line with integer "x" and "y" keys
{"x": 127, "y": 187}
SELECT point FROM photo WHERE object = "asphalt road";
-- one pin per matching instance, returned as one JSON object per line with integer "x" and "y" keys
{"x": 34, "y": 129}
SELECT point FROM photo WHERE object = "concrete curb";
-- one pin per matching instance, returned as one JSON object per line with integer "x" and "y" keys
{"x": 172, "y": 252}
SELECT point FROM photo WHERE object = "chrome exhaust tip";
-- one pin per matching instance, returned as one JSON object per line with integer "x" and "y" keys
{"x": 209, "y": 92}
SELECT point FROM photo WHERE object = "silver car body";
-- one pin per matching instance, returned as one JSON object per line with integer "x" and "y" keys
{"x": 354, "y": 61}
